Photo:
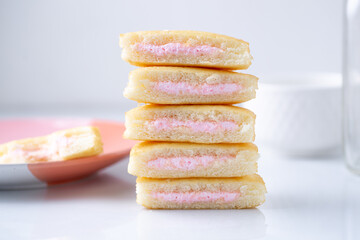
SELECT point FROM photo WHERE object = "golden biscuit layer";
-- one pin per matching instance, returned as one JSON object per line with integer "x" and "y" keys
{"x": 62, "y": 145}
{"x": 185, "y": 48}
{"x": 201, "y": 193}
{"x": 180, "y": 85}
{"x": 184, "y": 160}
{"x": 190, "y": 123}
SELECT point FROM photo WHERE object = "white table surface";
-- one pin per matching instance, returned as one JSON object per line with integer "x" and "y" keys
{"x": 307, "y": 199}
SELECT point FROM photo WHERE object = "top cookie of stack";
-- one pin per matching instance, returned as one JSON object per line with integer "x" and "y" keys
{"x": 185, "y": 48}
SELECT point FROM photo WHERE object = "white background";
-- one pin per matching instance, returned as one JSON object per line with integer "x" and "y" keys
{"x": 65, "y": 54}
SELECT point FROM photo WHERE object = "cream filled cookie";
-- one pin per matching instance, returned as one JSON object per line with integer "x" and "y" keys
{"x": 185, "y": 48}
{"x": 62, "y": 145}
{"x": 180, "y": 85}
{"x": 184, "y": 160}
{"x": 201, "y": 193}
{"x": 190, "y": 123}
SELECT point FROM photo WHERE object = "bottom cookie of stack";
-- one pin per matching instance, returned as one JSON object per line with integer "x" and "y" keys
{"x": 201, "y": 193}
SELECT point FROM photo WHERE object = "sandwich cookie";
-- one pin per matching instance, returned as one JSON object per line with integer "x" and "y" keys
{"x": 199, "y": 193}
{"x": 190, "y": 123}
{"x": 58, "y": 146}
{"x": 185, "y": 48}
{"x": 184, "y": 160}
{"x": 180, "y": 85}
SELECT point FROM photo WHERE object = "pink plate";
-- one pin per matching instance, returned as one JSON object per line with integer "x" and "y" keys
{"x": 15, "y": 176}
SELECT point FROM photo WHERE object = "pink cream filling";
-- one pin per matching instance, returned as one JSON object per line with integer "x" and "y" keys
{"x": 202, "y": 89}
{"x": 41, "y": 152}
{"x": 176, "y": 49}
{"x": 195, "y": 126}
{"x": 35, "y": 154}
{"x": 192, "y": 197}
{"x": 185, "y": 163}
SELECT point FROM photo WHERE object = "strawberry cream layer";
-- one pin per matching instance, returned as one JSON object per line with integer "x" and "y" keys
{"x": 21, "y": 155}
{"x": 36, "y": 151}
{"x": 176, "y": 49}
{"x": 192, "y": 197}
{"x": 195, "y": 126}
{"x": 186, "y": 163}
{"x": 201, "y": 89}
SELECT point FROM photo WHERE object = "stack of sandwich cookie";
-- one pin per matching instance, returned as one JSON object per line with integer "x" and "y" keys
{"x": 197, "y": 150}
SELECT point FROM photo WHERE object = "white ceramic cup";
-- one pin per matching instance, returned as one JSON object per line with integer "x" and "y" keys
{"x": 299, "y": 114}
